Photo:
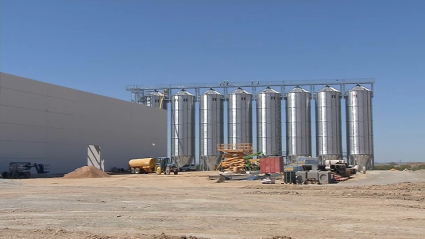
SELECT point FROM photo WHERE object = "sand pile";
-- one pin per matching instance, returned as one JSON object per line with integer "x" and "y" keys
{"x": 87, "y": 172}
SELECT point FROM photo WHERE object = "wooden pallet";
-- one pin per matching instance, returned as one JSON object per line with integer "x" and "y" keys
{"x": 233, "y": 156}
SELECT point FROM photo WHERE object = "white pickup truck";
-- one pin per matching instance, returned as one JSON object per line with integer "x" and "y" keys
{"x": 188, "y": 167}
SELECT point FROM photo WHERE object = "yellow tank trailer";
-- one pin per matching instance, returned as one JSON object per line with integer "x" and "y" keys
{"x": 145, "y": 165}
{"x": 153, "y": 165}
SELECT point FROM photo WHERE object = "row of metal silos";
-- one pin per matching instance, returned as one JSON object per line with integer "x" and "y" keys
{"x": 269, "y": 123}
{"x": 359, "y": 124}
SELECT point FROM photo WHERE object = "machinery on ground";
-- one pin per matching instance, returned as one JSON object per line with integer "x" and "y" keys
{"x": 310, "y": 175}
{"x": 339, "y": 167}
{"x": 307, "y": 170}
{"x": 166, "y": 166}
{"x": 251, "y": 163}
{"x": 23, "y": 169}
{"x": 143, "y": 165}
{"x": 258, "y": 155}
{"x": 150, "y": 165}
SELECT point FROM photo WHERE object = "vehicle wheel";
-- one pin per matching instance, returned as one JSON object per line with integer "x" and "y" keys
{"x": 176, "y": 172}
{"x": 132, "y": 170}
{"x": 299, "y": 179}
{"x": 27, "y": 174}
{"x": 137, "y": 170}
{"x": 15, "y": 175}
{"x": 158, "y": 170}
{"x": 167, "y": 171}
{"x": 5, "y": 175}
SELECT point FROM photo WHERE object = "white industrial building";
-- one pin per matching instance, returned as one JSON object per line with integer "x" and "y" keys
{"x": 49, "y": 124}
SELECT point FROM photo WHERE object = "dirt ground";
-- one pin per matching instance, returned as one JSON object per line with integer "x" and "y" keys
{"x": 160, "y": 206}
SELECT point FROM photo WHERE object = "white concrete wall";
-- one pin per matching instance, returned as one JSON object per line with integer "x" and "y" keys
{"x": 45, "y": 123}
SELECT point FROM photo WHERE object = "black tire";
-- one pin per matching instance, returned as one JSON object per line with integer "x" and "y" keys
{"x": 5, "y": 175}
{"x": 299, "y": 179}
{"x": 15, "y": 175}
{"x": 176, "y": 172}
{"x": 27, "y": 174}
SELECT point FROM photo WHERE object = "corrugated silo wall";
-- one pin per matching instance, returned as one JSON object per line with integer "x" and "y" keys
{"x": 45, "y": 123}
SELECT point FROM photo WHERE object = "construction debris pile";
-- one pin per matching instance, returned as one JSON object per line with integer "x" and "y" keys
{"x": 234, "y": 156}
{"x": 87, "y": 172}
{"x": 235, "y": 164}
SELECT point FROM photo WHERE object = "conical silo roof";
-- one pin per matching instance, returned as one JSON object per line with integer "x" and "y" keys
{"x": 269, "y": 90}
{"x": 328, "y": 89}
{"x": 155, "y": 93}
{"x": 298, "y": 90}
{"x": 184, "y": 92}
{"x": 357, "y": 88}
{"x": 211, "y": 91}
{"x": 240, "y": 91}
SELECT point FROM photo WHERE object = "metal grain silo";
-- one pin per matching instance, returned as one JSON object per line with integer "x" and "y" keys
{"x": 154, "y": 98}
{"x": 298, "y": 123}
{"x": 211, "y": 128}
{"x": 328, "y": 124}
{"x": 239, "y": 117}
{"x": 358, "y": 103}
{"x": 183, "y": 128}
{"x": 269, "y": 122}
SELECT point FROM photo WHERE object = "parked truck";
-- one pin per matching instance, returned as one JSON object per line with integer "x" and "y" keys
{"x": 150, "y": 165}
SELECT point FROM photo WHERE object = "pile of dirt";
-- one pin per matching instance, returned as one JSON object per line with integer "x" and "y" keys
{"x": 87, "y": 172}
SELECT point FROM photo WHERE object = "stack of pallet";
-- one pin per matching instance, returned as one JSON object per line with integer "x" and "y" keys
{"x": 235, "y": 164}
{"x": 234, "y": 156}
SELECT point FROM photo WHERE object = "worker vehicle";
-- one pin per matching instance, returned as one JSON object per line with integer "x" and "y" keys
{"x": 23, "y": 169}
{"x": 166, "y": 166}
{"x": 252, "y": 164}
{"x": 152, "y": 165}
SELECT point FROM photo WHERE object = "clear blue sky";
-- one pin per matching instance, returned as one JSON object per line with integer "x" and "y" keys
{"x": 102, "y": 45}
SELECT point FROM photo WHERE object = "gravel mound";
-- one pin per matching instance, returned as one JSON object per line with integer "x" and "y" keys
{"x": 87, "y": 172}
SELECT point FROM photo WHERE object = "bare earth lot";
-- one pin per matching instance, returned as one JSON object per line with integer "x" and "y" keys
{"x": 144, "y": 206}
